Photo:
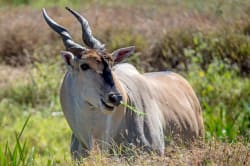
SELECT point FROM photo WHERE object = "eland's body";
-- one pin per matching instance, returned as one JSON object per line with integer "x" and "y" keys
{"x": 95, "y": 85}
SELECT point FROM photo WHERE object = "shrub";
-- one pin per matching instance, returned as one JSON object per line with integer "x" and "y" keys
{"x": 225, "y": 99}
{"x": 177, "y": 50}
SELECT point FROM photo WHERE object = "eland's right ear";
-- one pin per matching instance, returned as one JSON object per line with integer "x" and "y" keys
{"x": 68, "y": 57}
{"x": 122, "y": 53}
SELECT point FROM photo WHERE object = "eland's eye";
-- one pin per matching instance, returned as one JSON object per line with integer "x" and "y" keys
{"x": 84, "y": 66}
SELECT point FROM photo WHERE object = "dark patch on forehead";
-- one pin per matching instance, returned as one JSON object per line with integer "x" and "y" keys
{"x": 107, "y": 75}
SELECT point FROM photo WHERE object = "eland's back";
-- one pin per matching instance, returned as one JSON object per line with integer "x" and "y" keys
{"x": 167, "y": 98}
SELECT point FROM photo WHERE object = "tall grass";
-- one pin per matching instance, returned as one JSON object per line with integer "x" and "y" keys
{"x": 19, "y": 154}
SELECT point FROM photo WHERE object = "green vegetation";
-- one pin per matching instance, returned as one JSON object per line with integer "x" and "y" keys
{"x": 218, "y": 67}
{"x": 207, "y": 42}
{"x": 224, "y": 97}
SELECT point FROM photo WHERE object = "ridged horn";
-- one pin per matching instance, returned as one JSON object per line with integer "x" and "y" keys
{"x": 87, "y": 36}
{"x": 67, "y": 39}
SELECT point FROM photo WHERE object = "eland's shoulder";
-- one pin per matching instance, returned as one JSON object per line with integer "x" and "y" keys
{"x": 125, "y": 68}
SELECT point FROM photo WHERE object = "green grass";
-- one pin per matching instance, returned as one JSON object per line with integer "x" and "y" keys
{"x": 46, "y": 137}
{"x": 133, "y": 109}
{"x": 19, "y": 154}
{"x": 47, "y": 133}
{"x": 40, "y": 143}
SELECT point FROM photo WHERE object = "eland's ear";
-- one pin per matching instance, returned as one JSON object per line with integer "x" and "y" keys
{"x": 68, "y": 57}
{"x": 122, "y": 53}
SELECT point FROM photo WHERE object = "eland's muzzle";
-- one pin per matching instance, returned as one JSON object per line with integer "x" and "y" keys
{"x": 115, "y": 98}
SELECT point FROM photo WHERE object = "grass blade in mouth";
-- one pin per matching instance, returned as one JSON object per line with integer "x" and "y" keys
{"x": 133, "y": 109}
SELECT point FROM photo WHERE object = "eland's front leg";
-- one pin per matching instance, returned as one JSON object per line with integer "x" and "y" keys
{"x": 77, "y": 150}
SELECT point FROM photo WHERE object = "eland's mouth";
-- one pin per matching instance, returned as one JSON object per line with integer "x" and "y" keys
{"x": 108, "y": 106}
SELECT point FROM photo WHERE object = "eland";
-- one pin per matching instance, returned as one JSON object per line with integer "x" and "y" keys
{"x": 98, "y": 93}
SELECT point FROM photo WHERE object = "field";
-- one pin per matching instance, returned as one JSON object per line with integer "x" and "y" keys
{"x": 208, "y": 42}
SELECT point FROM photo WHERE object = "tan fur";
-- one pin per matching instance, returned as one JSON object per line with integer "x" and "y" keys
{"x": 166, "y": 96}
{"x": 181, "y": 104}
{"x": 93, "y": 59}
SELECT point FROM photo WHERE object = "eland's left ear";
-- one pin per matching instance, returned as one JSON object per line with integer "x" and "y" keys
{"x": 122, "y": 53}
{"x": 68, "y": 58}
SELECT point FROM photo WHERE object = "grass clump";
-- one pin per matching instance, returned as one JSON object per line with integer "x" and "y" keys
{"x": 19, "y": 154}
{"x": 39, "y": 141}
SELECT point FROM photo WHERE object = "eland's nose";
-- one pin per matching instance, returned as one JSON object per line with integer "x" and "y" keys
{"x": 115, "y": 98}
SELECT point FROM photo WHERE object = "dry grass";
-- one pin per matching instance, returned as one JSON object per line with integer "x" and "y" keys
{"x": 25, "y": 37}
{"x": 212, "y": 152}
{"x": 9, "y": 75}
{"x": 20, "y": 35}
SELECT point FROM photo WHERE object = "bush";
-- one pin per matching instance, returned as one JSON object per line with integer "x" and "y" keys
{"x": 16, "y": 42}
{"x": 169, "y": 51}
{"x": 178, "y": 49}
{"x": 225, "y": 99}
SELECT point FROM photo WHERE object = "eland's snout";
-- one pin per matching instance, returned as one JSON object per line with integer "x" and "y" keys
{"x": 115, "y": 98}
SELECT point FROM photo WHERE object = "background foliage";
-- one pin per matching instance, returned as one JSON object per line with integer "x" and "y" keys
{"x": 207, "y": 42}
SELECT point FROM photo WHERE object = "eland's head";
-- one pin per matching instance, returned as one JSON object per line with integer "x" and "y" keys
{"x": 91, "y": 66}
